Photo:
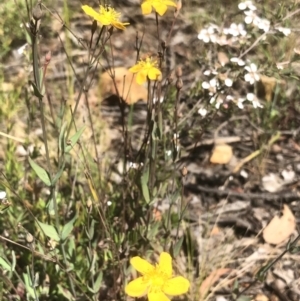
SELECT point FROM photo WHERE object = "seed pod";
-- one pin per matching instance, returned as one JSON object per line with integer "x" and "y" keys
{"x": 178, "y": 72}
{"x": 37, "y": 12}
{"x": 179, "y": 84}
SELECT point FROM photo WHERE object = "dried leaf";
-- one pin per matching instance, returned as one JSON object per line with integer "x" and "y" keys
{"x": 127, "y": 87}
{"x": 222, "y": 154}
{"x": 211, "y": 280}
{"x": 223, "y": 58}
{"x": 261, "y": 297}
{"x": 215, "y": 231}
{"x": 268, "y": 85}
{"x": 280, "y": 228}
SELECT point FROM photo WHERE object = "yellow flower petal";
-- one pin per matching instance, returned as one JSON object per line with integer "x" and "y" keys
{"x": 136, "y": 288}
{"x": 176, "y": 286}
{"x": 141, "y": 265}
{"x": 106, "y": 16}
{"x": 154, "y": 73}
{"x": 160, "y": 8}
{"x": 90, "y": 11}
{"x": 170, "y": 3}
{"x": 141, "y": 77}
{"x": 157, "y": 296}
{"x": 165, "y": 263}
{"x": 120, "y": 25}
{"x": 136, "y": 68}
{"x": 146, "y": 8}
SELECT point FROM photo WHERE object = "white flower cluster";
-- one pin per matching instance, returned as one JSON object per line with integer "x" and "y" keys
{"x": 223, "y": 36}
{"x": 218, "y": 89}
{"x": 216, "y": 86}
{"x": 251, "y": 16}
{"x": 252, "y": 76}
{"x": 237, "y": 33}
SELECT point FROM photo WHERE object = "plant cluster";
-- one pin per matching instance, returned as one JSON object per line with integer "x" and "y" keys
{"x": 69, "y": 229}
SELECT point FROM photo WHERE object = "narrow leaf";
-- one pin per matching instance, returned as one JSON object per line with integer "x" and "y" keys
{"x": 61, "y": 139}
{"x": 58, "y": 175}
{"x": 98, "y": 282}
{"x": 13, "y": 255}
{"x": 177, "y": 247}
{"x": 36, "y": 91}
{"x": 74, "y": 139}
{"x": 49, "y": 231}
{"x": 5, "y": 265}
{"x": 28, "y": 285}
{"x": 92, "y": 229}
{"x": 68, "y": 227}
{"x": 41, "y": 172}
{"x": 145, "y": 189}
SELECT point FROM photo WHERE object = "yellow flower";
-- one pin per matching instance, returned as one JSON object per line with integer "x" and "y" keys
{"x": 157, "y": 281}
{"x": 160, "y": 6}
{"x": 106, "y": 16}
{"x": 145, "y": 68}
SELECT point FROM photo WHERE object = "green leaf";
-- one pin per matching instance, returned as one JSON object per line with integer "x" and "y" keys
{"x": 261, "y": 274}
{"x": 177, "y": 247}
{"x": 5, "y": 265}
{"x": 28, "y": 285}
{"x": 49, "y": 231}
{"x": 67, "y": 294}
{"x": 50, "y": 207}
{"x": 36, "y": 91}
{"x": 97, "y": 284}
{"x": 92, "y": 229}
{"x": 61, "y": 139}
{"x": 58, "y": 175}
{"x": 145, "y": 189}
{"x": 13, "y": 255}
{"x": 153, "y": 230}
{"x": 244, "y": 298}
{"x": 67, "y": 228}
{"x": 74, "y": 139}
{"x": 41, "y": 172}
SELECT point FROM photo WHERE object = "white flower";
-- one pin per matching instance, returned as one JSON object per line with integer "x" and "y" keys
{"x": 207, "y": 72}
{"x": 222, "y": 40}
{"x": 218, "y": 99}
{"x": 237, "y": 30}
{"x": 252, "y": 76}
{"x": 202, "y": 111}
{"x": 210, "y": 72}
{"x": 212, "y": 86}
{"x": 251, "y": 16}
{"x": 246, "y": 5}
{"x": 168, "y": 153}
{"x": 282, "y": 65}
{"x": 255, "y": 102}
{"x": 134, "y": 165}
{"x": 238, "y": 61}
{"x": 228, "y": 82}
{"x": 244, "y": 174}
{"x": 286, "y": 31}
{"x": 240, "y": 102}
{"x": 160, "y": 100}
{"x": 262, "y": 24}
{"x": 205, "y": 85}
{"x": 22, "y": 49}
{"x": 2, "y": 195}
{"x": 209, "y": 34}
